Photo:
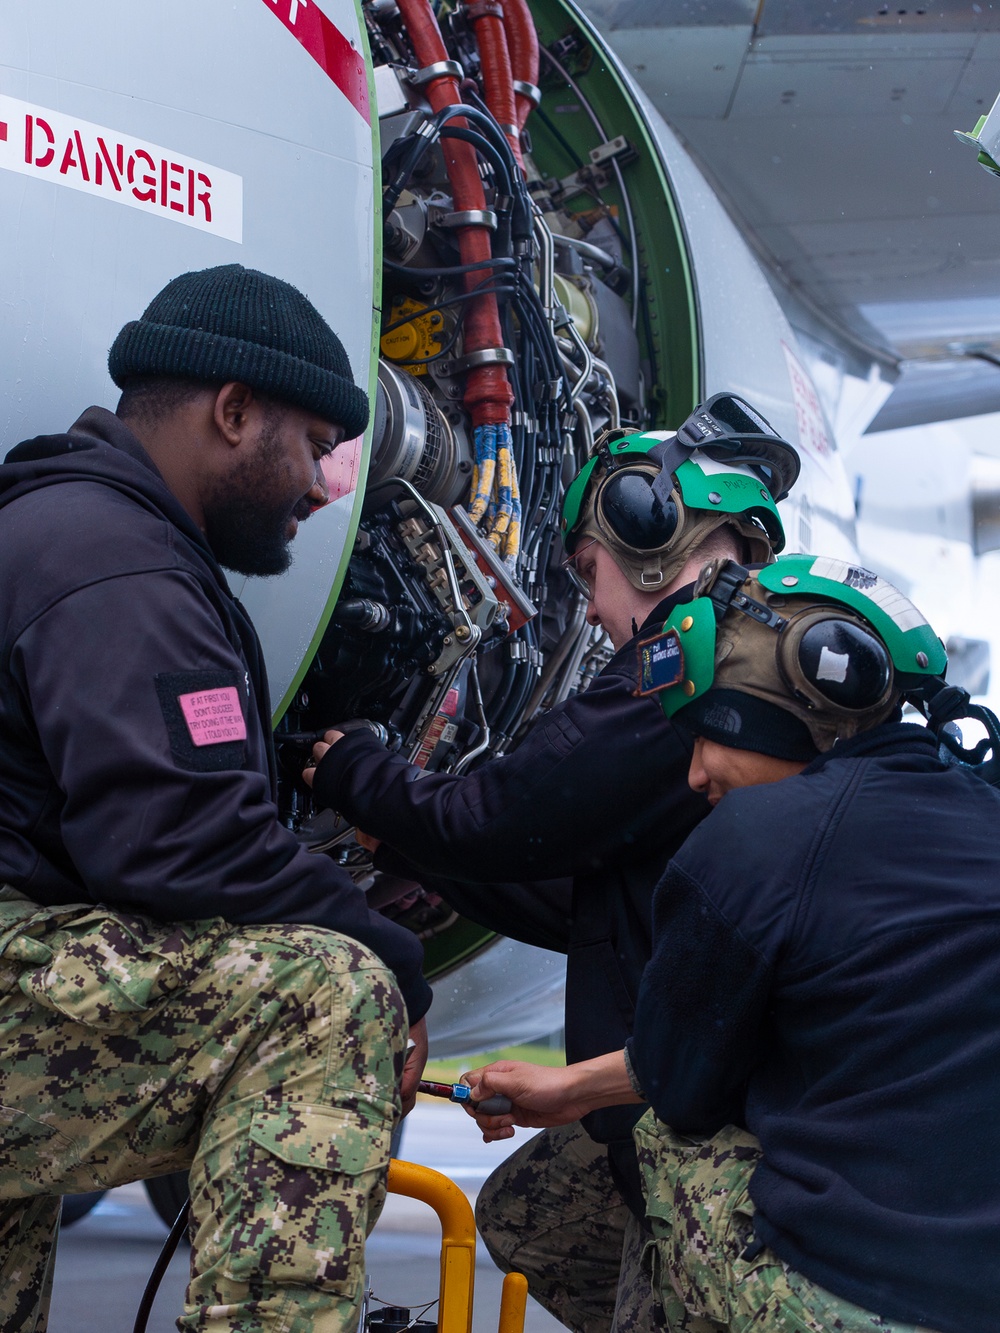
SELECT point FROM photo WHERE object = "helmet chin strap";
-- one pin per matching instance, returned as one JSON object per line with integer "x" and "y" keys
{"x": 652, "y": 575}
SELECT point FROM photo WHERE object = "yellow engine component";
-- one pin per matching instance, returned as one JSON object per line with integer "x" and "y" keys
{"x": 416, "y": 340}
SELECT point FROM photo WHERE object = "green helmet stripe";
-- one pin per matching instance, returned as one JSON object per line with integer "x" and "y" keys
{"x": 913, "y": 646}
{"x": 730, "y": 492}
{"x": 576, "y": 493}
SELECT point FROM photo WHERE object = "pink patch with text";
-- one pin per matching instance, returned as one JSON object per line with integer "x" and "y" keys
{"x": 214, "y": 716}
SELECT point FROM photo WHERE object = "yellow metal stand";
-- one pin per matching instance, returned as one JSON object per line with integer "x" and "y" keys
{"x": 458, "y": 1250}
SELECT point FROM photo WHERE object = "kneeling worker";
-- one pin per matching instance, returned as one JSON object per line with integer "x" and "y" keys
{"x": 182, "y": 986}
{"x": 640, "y": 520}
{"x": 817, "y": 1030}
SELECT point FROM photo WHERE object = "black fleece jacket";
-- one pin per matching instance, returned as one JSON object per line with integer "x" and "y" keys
{"x": 558, "y": 844}
{"x": 137, "y": 767}
{"x": 828, "y": 955}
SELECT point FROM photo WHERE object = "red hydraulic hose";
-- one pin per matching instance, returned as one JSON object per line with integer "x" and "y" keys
{"x": 522, "y": 42}
{"x": 487, "y": 20}
{"x": 488, "y": 394}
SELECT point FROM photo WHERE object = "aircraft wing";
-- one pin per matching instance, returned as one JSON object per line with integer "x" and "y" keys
{"x": 828, "y": 132}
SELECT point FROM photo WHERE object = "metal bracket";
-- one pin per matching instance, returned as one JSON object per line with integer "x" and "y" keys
{"x": 469, "y": 217}
{"x": 617, "y": 149}
{"x": 439, "y": 69}
{"x": 529, "y": 90}
{"x": 488, "y": 356}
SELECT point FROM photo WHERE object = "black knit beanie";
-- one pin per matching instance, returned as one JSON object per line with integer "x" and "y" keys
{"x": 235, "y": 323}
{"x": 744, "y": 722}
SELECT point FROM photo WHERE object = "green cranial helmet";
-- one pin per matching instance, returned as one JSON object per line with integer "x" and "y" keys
{"x": 652, "y": 498}
{"x": 826, "y": 641}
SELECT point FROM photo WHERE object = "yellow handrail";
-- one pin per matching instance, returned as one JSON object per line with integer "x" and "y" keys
{"x": 458, "y": 1250}
{"x": 458, "y": 1238}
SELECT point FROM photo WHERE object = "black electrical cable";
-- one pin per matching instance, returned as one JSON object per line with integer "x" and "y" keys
{"x": 159, "y": 1268}
{"x": 500, "y": 288}
{"x": 557, "y": 134}
{"x": 449, "y": 270}
{"x": 521, "y": 215}
{"x": 534, "y": 318}
{"x": 462, "y": 110}
{"x": 485, "y": 149}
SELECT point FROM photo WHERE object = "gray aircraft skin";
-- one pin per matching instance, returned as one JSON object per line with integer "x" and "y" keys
{"x": 828, "y": 130}
{"x": 138, "y": 142}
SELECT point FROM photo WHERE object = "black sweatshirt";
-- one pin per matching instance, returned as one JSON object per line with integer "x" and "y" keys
{"x": 137, "y": 767}
{"x": 828, "y": 957}
{"x": 588, "y": 809}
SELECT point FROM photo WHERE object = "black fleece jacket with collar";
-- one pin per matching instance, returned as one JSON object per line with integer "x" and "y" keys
{"x": 827, "y": 962}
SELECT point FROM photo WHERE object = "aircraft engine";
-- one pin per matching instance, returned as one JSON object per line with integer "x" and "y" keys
{"x": 516, "y": 326}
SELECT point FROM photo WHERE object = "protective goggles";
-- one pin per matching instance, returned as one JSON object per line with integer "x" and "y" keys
{"x": 637, "y": 504}
{"x": 629, "y": 509}
{"x": 842, "y": 646}
{"x": 729, "y": 430}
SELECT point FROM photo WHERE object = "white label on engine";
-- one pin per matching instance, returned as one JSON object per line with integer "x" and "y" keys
{"x": 52, "y": 146}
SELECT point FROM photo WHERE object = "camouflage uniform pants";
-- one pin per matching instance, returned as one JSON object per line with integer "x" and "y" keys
{"x": 553, "y": 1212}
{"x": 701, "y": 1214}
{"x": 261, "y": 1058}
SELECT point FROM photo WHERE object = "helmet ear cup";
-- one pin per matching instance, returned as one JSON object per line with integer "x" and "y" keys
{"x": 634, "y": 514}
{"x": 845, "y": 665}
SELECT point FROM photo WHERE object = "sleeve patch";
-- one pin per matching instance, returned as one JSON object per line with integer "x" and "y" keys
{"x": 213, "y": 716}
{"x": 204, "y": 717}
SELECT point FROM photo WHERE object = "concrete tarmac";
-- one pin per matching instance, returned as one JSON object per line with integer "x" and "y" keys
{"x": 105, "y": 1259}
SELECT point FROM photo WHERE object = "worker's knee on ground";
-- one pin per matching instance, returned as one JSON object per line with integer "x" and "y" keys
{"x": 495, "y": 1232}
{"x": 313, "y": 1182}
{"x": 493, "y": 1217}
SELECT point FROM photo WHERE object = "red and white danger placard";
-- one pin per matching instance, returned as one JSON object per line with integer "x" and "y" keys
{"x": 114, "y": 164}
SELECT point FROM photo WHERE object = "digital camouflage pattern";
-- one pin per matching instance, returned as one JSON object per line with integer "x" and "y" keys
{"x": 553, "y": 1212}
{"x": 704, "y": 1274}
{"x": 264, "y": 1059}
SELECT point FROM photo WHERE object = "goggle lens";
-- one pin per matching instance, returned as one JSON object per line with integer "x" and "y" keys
{"x": 634, "y": 514}
{"x": 844, "y": 664}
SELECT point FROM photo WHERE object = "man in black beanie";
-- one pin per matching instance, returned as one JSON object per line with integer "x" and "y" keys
{"x": 183, "y": 987}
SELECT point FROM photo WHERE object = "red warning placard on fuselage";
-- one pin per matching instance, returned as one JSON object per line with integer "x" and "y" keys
{"x": 50, "y": 145}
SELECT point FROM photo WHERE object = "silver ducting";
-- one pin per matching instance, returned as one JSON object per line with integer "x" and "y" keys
{"x": 412, "y": 439}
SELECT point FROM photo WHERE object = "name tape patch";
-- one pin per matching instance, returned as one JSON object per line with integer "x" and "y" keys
{"x": 49, "y": 145}
{"x": 661, "y": 663}
{"x": 213, "y": 716}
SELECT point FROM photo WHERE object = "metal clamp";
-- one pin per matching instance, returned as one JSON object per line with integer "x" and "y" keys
{"x": 529, "y": 90}
{"x": 488, "y": 356}
{"x": 438, "y": 70}
{"x": 469, "y": 217}
{"x": 483, "y": 9}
